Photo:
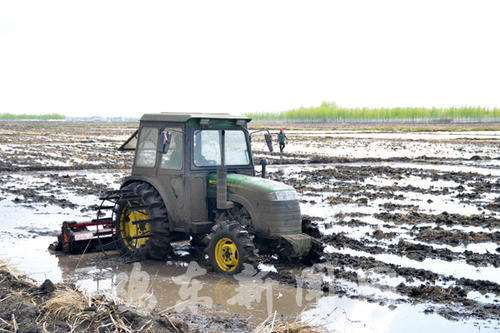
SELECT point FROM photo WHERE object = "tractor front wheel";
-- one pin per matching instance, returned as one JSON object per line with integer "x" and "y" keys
{"x": 229, "y": 247}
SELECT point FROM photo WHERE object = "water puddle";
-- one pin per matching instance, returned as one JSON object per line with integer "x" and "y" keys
{"x": 340, "y": 314}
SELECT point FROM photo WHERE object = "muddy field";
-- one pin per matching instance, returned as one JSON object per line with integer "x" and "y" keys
{"x": 410, "y": 223}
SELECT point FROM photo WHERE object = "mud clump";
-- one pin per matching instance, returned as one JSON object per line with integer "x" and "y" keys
{"x": 450, "y": 295}
{"x": 456, "y": 237}
{"x": 433, "y": 293}
{"x": 380, "y": 234}
{"x": 444, "y": 218}
{"x": 494, "y": 205}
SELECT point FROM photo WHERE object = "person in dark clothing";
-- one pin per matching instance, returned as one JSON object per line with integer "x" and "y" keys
{"x": 281, "y": 140}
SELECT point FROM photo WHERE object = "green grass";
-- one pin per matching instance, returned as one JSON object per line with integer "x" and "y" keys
{"x": 334, "y": 112}
{"x": 49, "y": 116}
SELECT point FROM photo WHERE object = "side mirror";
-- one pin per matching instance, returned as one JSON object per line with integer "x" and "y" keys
{"x": 164, "y": 142}
{"x": 269, "y": 141}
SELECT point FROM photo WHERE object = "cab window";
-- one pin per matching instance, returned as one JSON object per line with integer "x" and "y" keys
{"x": 146, "y": 147}
{"x": 207, "y": 148}
{"x": 174, "y": 157}
{"x": 236, "y": 150}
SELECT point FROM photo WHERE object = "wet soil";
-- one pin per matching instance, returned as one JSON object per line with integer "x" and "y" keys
{"x": 416, "y": 219}
{"x": 444, "y": 218}
{"x": 456, "y": 237}
{"x": 38, "y": 146}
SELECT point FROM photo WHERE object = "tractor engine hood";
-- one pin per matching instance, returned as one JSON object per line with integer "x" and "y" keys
{"x": 265, "y": 188}
{"x": 273, "y": 206}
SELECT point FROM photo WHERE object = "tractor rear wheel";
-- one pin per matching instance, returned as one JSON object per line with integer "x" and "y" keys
{"x": 229, "y": 247}
{"x": 141, "y": 223}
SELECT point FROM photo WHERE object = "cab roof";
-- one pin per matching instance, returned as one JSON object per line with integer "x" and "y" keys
{"x": 178, "y": 117}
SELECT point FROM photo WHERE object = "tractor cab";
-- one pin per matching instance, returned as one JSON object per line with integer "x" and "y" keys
{"x": 177, "y": 152}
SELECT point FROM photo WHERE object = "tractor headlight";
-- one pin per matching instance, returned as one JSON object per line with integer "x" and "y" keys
{"x": 284, "y": 195}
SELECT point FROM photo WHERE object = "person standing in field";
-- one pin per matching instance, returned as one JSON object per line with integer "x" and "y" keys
{"x": 281, "y": 140}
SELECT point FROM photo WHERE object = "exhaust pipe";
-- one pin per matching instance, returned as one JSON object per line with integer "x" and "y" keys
{"x": 222, "y": 178}
{"x": 263, "y": 163}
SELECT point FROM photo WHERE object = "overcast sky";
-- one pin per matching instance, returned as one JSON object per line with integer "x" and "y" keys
{"x": 123, "y": 58}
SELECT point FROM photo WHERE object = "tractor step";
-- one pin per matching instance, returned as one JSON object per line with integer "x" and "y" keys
{"x": 202, "y": 227}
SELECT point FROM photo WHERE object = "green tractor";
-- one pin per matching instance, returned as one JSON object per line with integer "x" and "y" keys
{"x": 194, "y": 179}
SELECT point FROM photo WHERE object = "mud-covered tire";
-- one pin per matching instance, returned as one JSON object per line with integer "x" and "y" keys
{"x": 310, "y": 228}
{"x": 316, "y": 254}
{"x": 157, "y": 245}
{"x": 225, "y": 237}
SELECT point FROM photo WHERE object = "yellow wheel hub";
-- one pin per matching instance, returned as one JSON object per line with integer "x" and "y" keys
{"x": 226, "y": 254}
{"x": 130, "y": 229}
